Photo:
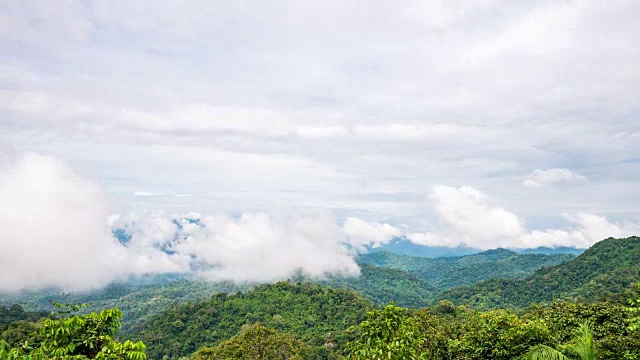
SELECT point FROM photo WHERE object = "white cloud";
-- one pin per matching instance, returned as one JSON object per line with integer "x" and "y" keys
{"x": 434, "y": 239}
{"x": 472, "y": 215}
{"x": 540, "y": 178}
{"x": 588, "y": 229}
{"x": 55, "y": 232}
{"x": 256, "y": 246}
{"x": 470, "y": 218}
{"x": 52, "y": 229}
{"x": 253, "y": 247}
{"x": 361, "y": 233}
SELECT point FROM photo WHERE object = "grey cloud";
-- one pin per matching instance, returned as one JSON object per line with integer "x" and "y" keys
{"x": 357, "y": 96}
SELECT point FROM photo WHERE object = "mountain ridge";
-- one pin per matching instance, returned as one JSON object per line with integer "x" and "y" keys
{"x": 607, "y": 268}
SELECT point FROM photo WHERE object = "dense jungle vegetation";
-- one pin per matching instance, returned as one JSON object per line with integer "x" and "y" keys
{"x": 587, "y": 306}
{"x": 408, "y": 281}
{"x": 601, "y": 272}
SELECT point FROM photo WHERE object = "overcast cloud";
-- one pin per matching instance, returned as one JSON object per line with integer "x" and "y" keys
{"x": 481, "y": 123}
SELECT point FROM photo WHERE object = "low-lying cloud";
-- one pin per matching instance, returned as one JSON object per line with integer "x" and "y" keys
{"x": 56, "y": 231}
{"x": 52, "y": 228}
{"x": 251, "y": 247}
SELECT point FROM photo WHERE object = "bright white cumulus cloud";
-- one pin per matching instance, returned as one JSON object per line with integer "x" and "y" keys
{"x": 362, "y": 234}
{"x": 473, "y": 215}
{"x": 52, "y": 229}
{"x": 471, "y": 218}
{"x": 540, "y": 178}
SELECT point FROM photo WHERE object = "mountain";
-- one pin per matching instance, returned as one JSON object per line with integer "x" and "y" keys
{"x": 141, "y": 299}
{"x": 407, "y": 280}
{"x": 552, "y": 250}
{"x": 401, "y": 245}
{"x": 607, "y": 268}
{"x": 383, "y": 285}
{"x": 447, "y": 272}
{"x": 138, "y": 302}
{"x": 15, "y": 312}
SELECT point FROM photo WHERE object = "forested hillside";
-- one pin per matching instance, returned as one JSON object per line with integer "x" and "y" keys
{"x": 300, "y": 318}
{"x": 447, "y": 272}
{"x": 15, "y": 312}
{"x": 383, "y": 285}
{"x": 316, "y": 314}
{"x": 607, "y": 268}
{"x": 385, "y": 277}
{"x": 328, "y": 320}
{"x": 138, "y": 302}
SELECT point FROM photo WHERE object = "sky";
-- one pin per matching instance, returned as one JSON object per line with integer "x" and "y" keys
{"x": 309, "y": 126}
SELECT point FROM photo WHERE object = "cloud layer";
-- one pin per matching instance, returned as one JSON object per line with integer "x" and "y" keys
{"x": 56, "y": 231}
{"x": 475, "y": 122}
{"x": 359, "y": 108}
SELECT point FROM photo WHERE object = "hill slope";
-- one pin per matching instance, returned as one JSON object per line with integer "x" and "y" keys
{"x": 448, "y": 272}
{"x": 383, "y": 285}
{"x": 310, "y": 311}
{"x": 607, "y": 268}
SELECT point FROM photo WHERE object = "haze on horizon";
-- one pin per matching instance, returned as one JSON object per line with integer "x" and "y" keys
{"x": 296, "y": 134}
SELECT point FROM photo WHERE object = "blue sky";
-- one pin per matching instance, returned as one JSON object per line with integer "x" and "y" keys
{"x": 485, "y": 123}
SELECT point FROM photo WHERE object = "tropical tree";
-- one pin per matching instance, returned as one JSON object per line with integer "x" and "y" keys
{"x": 583, "y": 346}
{"x": 256, "y": 342}
{"x": 90, "y": 336}
{"x": 634, "y": 311}
{"x": 388, "y": 334}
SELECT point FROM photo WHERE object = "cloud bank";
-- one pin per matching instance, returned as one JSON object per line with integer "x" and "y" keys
{"x": 469, "y": 217}
{"x": 52, "y": 227}
{"x": 56, "y": 231}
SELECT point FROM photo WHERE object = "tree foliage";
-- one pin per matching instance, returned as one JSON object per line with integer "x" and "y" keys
{"x": 309, "y": 311}
{"x": 90, "y": 336}
{"x": 634, "y": 310}
{"x": 387, "y": 334}
{"x": 583, "y": 345}
{"x": 256, "y": 342}
{"x": 383, "y": 285}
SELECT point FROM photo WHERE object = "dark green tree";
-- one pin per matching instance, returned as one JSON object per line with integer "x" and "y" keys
{"x": 583, "y": 346}
{"x": 388, "y": 334}
{"x": 256, "y": 342}
{"x": 90, "y": 336}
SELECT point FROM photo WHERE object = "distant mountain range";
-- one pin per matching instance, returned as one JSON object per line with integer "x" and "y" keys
{"x": 446, "y": 272}
{"x": 486, "y": 279}
{"x": 606, "y": 269}
{"x": 402, "y": 245}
